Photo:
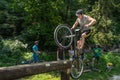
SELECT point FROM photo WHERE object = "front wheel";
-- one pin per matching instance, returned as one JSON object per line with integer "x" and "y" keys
{"x": 63, "y": 36}
{"x": 76, "y": 68}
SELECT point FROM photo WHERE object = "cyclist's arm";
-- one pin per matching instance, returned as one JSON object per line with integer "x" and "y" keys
{"x": 91, "y": 20}
{"x": 75, "y": 25}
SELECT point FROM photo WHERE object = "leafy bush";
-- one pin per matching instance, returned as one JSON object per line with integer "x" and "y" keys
{"x": 111, "y": 57}
{"x": 47, "y": 56}
{"x": 11, "y": 50}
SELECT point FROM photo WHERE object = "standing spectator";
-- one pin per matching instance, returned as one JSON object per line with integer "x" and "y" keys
{"x": 36, "y": 52}
{"x": 71, "y": 53}
{"x": 97, "y": 53}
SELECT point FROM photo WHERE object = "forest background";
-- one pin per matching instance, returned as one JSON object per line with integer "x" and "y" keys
{"x": 24, "y": 21}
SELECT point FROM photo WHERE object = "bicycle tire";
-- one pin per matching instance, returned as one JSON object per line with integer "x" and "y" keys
{"x": 60, "y": 36}
{"x": 76, "y": 68}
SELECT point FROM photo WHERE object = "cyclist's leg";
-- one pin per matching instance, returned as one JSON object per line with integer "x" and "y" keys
{"x": 78, "y": 43}
{"x": 81, "y": 42}
{"x": 85, "y": 34}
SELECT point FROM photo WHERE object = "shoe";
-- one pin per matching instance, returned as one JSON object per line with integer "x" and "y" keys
{"x": 71, "y": 59}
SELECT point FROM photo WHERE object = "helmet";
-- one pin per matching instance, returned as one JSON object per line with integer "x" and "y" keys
{"x": 79, "y": 11}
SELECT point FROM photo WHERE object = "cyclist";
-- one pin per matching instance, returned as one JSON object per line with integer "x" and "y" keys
{"x": 85, "y": 22}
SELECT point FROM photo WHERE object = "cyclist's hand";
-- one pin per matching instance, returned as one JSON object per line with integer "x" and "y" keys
{"x": 87, "y": 25}
{"x": 72, "y": 28}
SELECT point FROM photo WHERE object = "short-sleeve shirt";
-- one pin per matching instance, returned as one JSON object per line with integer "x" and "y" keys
{"x": 83, "y": 21}
{"x": 35, "y": 48}
{"x": 97, "y": 52}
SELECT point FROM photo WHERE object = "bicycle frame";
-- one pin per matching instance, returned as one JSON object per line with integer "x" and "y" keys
{"x": 75, "y": 38}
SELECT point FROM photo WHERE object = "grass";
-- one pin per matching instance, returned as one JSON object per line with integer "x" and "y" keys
{"x": 45, "y": 76}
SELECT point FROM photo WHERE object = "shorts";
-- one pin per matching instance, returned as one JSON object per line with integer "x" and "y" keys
{"x": 85, "y": 30}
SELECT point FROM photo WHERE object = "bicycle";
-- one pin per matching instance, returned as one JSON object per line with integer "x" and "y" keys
{"x": 64, "y": 37}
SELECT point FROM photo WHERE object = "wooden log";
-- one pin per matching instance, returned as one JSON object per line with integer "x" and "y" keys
{"x": 19, "y": 71}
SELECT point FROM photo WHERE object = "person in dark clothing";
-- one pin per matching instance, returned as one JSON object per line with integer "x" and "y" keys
{"x": 60, "y": 53}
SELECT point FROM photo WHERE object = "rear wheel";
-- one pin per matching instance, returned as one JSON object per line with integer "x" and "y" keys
{"x": 76, "y": 68}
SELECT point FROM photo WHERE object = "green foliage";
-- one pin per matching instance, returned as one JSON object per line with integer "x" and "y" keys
{"x": 11, "y": 46}
{"x": 11, "y": 50}
{"x": 105, "y": 32}
{"x": 3, "y": 4}
{"x": 47, "y": 56}
{"x": 31, "y": 20}
{"x": 45, "y": 76}
{"x": 37, "y": 20}
{"x": 114, "y": 58}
